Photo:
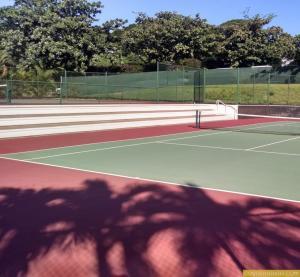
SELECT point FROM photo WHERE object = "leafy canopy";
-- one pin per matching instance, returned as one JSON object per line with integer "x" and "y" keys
{"x": 49, "y": 33}
{"x": 53, "y": 34}
{"x": 169, "y": 36}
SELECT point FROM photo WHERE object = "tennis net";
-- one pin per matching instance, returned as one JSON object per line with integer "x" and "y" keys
{"x": 261, "y": 124}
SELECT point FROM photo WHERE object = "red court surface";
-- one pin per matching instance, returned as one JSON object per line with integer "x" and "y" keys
{"x": 42, "y": 142}
{"x": 49, "y": 141}
{"x": 61, "y": 222}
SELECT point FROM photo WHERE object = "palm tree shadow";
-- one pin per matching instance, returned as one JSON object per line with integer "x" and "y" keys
{"x": 259, "y": 232}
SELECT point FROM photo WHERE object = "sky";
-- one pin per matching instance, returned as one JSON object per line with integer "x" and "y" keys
{"x": 215, "y": 11}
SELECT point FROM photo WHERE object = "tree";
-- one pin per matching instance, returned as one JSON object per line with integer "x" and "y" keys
{"x": 247, "y": 42}
{"x": 5, "y": 61}
{"x": 110, "y": 53}
{"x": 50, "y": 33}
{"x": 280, "y": 46}
{"x": 169, "y": 36}
{"x": 297, "y": 51}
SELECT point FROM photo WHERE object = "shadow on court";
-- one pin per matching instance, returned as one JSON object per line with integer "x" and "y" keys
{"x": 143, "y": 230}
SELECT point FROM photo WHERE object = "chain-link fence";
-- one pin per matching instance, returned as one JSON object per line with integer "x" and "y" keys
{"x": 256, "y": 85}
{"x": 29, "y": 92}
{"x": 169, "y": 83}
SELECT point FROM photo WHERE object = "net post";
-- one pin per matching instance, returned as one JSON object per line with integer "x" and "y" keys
{"x": 198, "y": 116}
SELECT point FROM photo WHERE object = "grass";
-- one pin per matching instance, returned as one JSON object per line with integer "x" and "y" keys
{"x": 244, "y": 94}
{"x": 258, "y": 94}
{"x": 248, "y": 94}
{"x": 168, "y": 93}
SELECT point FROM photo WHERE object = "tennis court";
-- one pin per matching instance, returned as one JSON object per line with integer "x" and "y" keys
{"x": 258, "y": 159}
{"x": 153, "y": 201}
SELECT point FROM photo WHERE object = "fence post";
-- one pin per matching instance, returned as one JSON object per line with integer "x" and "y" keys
{"x": 238, "y": 86}
{"x": 269, "y": 88}
{"x": 10, "y": 90}
{"x": 289, "y": 82}
{"x": 38, "y": 89}
{"x": 204, "y": 84}
{"x": 66, "y": 84}
{"x": 61, "y": 90}
{"x": 183, "y": 88}
{"x": 176, "y": 84}
{"x": 157, "y": 81}
{"x": 105, "y": 84}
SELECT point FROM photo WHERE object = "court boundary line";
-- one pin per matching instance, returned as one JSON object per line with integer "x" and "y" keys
{"x": 272, "y": 143}
{"x": 91, "y": 150}
{"x": 232, "y": 149}
{"x": 170, "y": 143}
{"x": 280, "y": 123}
{"x": 120, "y": 140}
{"x": 156, "y": 181}
{"x": 202, "y": 146}
{"x": 269, "y": 116}
{"x": 113, "y": 147}
{"x": 109, "y": 141}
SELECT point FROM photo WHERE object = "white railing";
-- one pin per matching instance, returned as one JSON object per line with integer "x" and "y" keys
{"x": 233, "y": 109}
{"x": 221, "y": 103}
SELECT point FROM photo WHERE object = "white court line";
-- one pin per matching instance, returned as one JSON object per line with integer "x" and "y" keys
{"x": 201, "y": 146}
{"x": 162, "y": 142}
{"x": 277, "y": 153}
{"x": 201, "y": 135}
{"x": 207, "y": 132}
{"x": 156, "y": 181}
{"x": 113, "y": 147}
{"x": 272, "y": 143}
{"x": 110, "y": 141}
{"x": 87, "y": 151}
{"x": 264, "y": 125}
{"x": 228, "y": 148}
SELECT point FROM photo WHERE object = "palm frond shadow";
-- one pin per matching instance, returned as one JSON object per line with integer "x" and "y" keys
{"x": 257, "y": 231}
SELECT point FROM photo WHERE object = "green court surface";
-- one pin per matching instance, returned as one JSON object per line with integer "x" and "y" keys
{"x": 250, "y": 163}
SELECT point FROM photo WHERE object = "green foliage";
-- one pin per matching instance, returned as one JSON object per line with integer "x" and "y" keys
{"x": 110, "y": 55}
{"x": 35, "y": 74}
{"x": 195, "y": 63}
{"x": 234, "y": 23}
{"x": 50, "y": 33}
{"x": 247, "y": 42}
{"x": 280, "y": 46}
{"x": 297, "y": 51}
{"x": 169, "y": 36}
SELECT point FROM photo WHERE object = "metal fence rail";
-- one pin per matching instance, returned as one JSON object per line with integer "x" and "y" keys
{"x": 169, "y": 83}
{"x": 163, "y": 85}
{"x": 255, "y": 85}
